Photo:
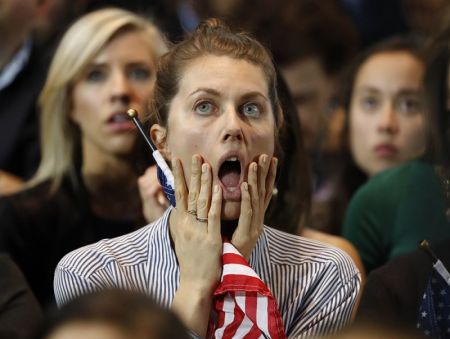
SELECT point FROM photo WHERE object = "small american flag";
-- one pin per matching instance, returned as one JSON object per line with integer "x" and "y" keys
{"x": 433, "y": 319}
{"x": 244, "y": 306}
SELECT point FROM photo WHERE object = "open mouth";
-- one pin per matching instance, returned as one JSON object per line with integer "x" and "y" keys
{"x": 119, "y": 118}
{"x": 230, "y": 174}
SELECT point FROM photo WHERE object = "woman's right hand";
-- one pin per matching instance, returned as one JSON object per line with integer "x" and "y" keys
{"x": 195, "y": 230}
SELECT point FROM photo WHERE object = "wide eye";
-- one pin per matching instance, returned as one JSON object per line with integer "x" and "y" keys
{"x": 139, "y": 73}
{"x": 204, "y": 108}
{"x": 251, "y": 110}
{"x": 96, "y": 75}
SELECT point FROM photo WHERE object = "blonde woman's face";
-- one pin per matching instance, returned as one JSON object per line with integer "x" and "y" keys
{"x": 121, "y": 76}
{"x": 386, "y": 117}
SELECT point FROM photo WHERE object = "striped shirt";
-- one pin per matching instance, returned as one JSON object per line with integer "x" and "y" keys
{"x": 315, "y": 285}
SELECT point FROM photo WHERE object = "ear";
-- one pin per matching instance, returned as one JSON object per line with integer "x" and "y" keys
{"x": 158, "y": 135}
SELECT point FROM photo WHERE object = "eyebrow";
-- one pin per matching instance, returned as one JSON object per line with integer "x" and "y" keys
{"x": 217, "y": 93}
{"x": 128, "y": 64}
{"x": 404, "y": 91}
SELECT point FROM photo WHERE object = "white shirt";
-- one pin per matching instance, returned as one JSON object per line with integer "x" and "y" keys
{"x": 315, "y": 285}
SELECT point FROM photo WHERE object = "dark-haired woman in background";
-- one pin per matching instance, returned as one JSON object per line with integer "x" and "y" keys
{"x": 396, "y": 209}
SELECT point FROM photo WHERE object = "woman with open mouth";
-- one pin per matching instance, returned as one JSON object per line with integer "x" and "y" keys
{"x": 211, "y": 259}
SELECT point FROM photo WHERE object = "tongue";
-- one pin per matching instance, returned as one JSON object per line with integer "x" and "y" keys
{"x": 230, "y": 179}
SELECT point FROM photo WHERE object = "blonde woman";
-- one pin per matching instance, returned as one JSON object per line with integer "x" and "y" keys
{"x": 86, "y": 186}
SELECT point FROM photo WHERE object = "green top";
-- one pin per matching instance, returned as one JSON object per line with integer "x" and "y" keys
{"x": 394, "y": 211}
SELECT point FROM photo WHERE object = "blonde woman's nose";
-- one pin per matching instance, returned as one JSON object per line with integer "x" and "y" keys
{"x": 120, "y": 86}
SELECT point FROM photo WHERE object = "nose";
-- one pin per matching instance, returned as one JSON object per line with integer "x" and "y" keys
{"x": 388, "y": 122}
{"x": 232, "y": 130}
{"x": 120, "y": 88}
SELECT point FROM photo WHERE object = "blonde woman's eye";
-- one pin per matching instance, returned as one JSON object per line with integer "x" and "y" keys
{"x": 95, "y": 75}
{"x": 204, "y": 107}
{"x": 251, "y": 110}
{"x": 139, "y": 74}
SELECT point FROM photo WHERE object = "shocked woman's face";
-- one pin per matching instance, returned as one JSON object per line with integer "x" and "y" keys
{"x": 223, "y": 113}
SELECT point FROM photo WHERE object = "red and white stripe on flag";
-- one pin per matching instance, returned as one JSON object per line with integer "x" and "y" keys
{"x": 244, "y": 306}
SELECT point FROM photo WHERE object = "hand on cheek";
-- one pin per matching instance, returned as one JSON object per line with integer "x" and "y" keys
{"x": 256, "y": 196}
{"x": 196, "y": 231}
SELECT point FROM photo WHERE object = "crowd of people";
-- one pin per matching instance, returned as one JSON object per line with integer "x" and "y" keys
{"x": 311, "y": 167}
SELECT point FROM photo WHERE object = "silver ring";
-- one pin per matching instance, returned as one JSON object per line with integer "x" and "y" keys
{"x": 202, "y": 219}
{"x": 193, "y": 212}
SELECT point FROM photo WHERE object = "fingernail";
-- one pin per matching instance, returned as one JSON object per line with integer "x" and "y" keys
{"x": 254, "y": 167}
{"x": 245, "y": 186}
{"x": 264, "y": 159}
{"x": 204, "y": 168}
{"x": 216, "y": 188}
{"x": 275, "y": 161}
{"x": 194, "y": 160}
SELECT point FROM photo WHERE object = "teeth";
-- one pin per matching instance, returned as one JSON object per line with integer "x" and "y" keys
{"x": 119, "y": 118}
{"x": 232, "y": 159}
{"x": 231, "y": 189}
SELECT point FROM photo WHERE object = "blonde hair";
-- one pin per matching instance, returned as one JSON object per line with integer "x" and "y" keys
{"x": 59, "y": 136}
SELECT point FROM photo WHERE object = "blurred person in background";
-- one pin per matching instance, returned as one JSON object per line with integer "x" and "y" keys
{"x": 113, "y": 314}
{"x": 23, "y": 68}
{"x": 20, "y": 314}
{"x": 398, "y": 208}
{"x": 86, "y": 186}
{"x": 384, "y": 123}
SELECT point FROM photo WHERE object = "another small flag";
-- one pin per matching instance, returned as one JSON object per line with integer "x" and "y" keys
{"x": 244, "y": 306}
{"x": 433, "y": 319}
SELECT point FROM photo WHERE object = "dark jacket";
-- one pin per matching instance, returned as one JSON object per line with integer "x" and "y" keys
{"x": 38, "y": 229}
{"x": 393, "y": 292}
{"x": 20, "y": 314}
{"x": 19, "y": 119}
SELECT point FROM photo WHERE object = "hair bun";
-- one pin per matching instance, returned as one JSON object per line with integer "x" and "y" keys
{"x": 211, "y": 25}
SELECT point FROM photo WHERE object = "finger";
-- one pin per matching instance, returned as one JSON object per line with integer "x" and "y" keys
{"x": 204, "y": 198}
{"x": 263, "y": 169}
{"x": 215, "y": 212}
{"x": 162, "y": 200}
{"x": 245, "y": 218}
{"x": 194, "y": 185}
{"x": 270, "y": 181}
{"x": 253, "y": 186}
{"x": 180, "y": 185}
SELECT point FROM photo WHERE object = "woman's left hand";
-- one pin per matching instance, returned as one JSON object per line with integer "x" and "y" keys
{"x": 255, "y": 198}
